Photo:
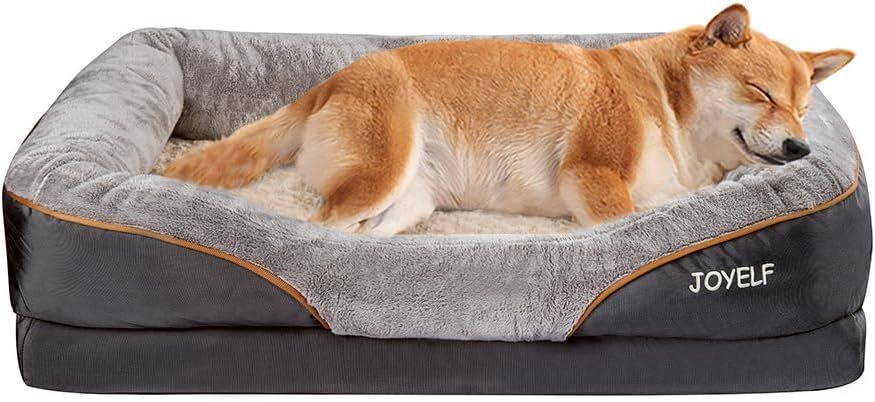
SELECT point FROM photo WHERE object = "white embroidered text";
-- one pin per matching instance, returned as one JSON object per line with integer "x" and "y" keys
{"x": 741, "y": 277}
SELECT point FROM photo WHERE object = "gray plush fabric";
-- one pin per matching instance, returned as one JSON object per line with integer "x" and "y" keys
{"x": 90, "y": 154}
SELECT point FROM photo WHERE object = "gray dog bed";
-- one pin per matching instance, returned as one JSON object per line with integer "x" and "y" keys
{"x": 156, "y": 285}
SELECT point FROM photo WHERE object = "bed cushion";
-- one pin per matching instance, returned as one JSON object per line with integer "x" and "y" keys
{"x": 87, "y": 163}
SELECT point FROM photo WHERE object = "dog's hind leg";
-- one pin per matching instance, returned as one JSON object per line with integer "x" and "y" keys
{"x": 415, "y": 205}
{"x": 361, "y": 155}
{"x": 372, "y": 203}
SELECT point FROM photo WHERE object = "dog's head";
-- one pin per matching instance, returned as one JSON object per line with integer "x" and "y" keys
{"x": 750, "y": 93}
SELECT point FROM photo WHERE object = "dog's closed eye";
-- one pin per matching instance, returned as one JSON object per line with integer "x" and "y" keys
{"x": 762, "y": 92}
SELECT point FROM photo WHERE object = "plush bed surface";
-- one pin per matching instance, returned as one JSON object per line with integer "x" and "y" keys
{"x": 91, "y": 154}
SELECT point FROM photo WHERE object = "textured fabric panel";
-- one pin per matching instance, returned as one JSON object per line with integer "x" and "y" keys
{"x": 821, "y": 268}
{"x": 315, "y": 361}
{"x": 90, "y": 153}
{"x": 78, "y": 275}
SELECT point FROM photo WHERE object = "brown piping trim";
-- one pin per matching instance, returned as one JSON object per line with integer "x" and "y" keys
{"x": 260, "y": 271}
{"x": 708, "y": 243}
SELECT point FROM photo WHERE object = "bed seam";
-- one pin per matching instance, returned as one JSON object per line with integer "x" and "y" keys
{"x": 581, "y": 338}
{"x": 31, "y": 322}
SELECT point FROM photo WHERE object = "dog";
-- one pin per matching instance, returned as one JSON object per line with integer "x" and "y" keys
{"x": 531, "y": 128}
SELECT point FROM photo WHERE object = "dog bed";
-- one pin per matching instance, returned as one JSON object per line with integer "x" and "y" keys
{"x": 126, "y": 281}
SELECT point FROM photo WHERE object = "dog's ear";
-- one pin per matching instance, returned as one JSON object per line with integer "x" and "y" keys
{"x": 730, "y": 27}
{"x": 824, "y": 64}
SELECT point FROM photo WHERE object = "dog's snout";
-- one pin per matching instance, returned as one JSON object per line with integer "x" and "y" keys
{"x": 795, "y": 149}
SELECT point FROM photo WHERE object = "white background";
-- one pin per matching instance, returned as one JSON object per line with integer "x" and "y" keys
{"x": 44, "y": 44}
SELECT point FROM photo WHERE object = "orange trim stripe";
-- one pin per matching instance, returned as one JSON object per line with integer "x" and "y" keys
{"x": 708, "y": 243}
{"x": 258, "y": 270}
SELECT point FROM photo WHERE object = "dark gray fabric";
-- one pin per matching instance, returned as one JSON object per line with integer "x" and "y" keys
{"x": 79, "y": 275}
{"x": 90, "y": 155}
{"x": 315, "y": 361}
{"x": 821, "y": 271}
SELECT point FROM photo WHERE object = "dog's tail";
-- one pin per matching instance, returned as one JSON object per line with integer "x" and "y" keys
{"x": 247, "y": 153}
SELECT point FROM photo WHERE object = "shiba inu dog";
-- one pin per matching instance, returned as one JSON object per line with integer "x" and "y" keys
{"x": 530, "y": 128}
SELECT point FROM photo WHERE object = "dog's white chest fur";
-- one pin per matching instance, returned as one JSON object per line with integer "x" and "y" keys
{"x": 656, "y": 178}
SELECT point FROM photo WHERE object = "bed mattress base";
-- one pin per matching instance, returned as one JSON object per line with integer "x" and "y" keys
{"x": 311, "y": 360}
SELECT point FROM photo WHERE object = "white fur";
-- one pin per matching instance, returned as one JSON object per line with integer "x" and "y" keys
{"x": 656, "y": 179}
{"x": 416, "y": 204}
{"x": 507, "y": 177}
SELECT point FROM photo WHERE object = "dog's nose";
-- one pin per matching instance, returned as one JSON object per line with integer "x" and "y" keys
{"x": 795, "y": 149}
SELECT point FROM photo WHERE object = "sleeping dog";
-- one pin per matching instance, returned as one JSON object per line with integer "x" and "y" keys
{"x": 530, "y": 128}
